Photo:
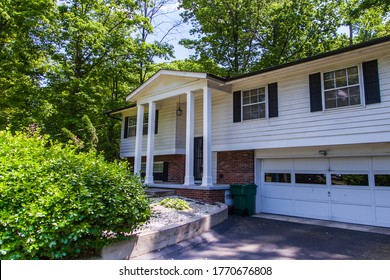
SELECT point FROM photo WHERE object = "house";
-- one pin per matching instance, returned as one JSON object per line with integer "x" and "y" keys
{"x": 313, "y": 135}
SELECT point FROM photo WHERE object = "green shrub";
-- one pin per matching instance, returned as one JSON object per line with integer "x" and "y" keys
{"x": 175, "y": 203}
{"x": 57, "y": 203}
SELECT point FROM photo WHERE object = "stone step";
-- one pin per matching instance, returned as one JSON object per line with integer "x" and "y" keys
{"x": 155, "y": 192}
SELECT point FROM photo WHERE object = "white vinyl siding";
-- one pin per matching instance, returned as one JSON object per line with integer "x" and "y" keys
{"x": 166, "y": 140}
{"x": 296, "y": 126}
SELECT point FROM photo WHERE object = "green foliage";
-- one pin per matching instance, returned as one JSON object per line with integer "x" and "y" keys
{"x": 201, "y": 65}
{"x": 64, "y": 60}
{"x": 58, "y": 203}
{"x": 224, "y": 32}
{"x": 366, "y": 19}
{"x": 175, "y": 203}
{"x": 296, "y": 29}
{"x": 88, "y": 138}
{"x": 246, "y": 35}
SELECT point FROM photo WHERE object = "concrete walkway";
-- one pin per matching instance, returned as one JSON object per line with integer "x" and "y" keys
{"x": 252, "y": 238}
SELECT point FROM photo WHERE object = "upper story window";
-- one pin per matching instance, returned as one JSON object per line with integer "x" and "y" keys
{"x": 342, "y": 88}
{"x": 132, "y": 126}
{"x": 253, "y": 104}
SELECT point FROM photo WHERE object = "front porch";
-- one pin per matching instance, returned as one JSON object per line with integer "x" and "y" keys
{"x": 191, "y": 140}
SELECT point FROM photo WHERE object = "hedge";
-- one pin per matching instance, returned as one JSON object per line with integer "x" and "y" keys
{"x": 58, "y": 203}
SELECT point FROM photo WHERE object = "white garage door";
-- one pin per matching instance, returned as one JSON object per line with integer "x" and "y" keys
{"x": 353, "y": 190}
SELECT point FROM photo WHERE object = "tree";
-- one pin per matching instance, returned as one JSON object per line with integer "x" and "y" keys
{"x": 147, "y": 51}
{"x": 225, "y": 32}
{"x": 65, "y": 62}
{"x": 24, "y": 25}
{"x": 366, "y": 20}
{"x": 243, "y": 36}
{"x": 296, "y": 29}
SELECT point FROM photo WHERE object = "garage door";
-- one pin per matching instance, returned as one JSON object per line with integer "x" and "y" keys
{"x": 353, "y": 190}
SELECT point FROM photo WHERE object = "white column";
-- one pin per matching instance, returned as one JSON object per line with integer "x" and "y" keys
{"x": 150, "y": 144}
{"x": 189, "y": 171}
{"x": 207, "y": 179}
{"x": 138, "y": 140}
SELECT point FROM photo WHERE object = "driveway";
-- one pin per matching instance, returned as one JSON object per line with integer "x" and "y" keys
{"x": 250, "y": 238}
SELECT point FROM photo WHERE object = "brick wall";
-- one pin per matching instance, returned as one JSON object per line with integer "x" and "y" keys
{"x": 176, "y": 166}
{"x": 208, "y": 196}
{"x": 235, "y": 167}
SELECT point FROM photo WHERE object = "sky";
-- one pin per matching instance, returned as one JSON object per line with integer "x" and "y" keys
{"x": 171, "y": 15}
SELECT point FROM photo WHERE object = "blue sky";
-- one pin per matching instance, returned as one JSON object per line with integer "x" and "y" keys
{"x": 164, "y": 22}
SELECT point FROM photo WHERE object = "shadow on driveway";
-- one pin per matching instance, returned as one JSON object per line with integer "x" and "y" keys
{"x": 248, "y": 238}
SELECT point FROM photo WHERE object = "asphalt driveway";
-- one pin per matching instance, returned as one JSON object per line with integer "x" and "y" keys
{"x": 249, "y": 238}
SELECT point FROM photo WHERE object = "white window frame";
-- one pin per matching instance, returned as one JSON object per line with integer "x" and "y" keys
{"x": 158, "y": 167}
{"x": 361, "y": 87}
{"x": 134, "y": 118}
{"x": 250, "y": 104}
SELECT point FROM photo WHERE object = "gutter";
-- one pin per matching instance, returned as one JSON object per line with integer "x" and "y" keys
{"x": 111, "y": 113}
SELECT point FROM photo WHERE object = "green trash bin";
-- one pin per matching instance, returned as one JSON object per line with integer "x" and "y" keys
{"x": 244, "y": 197}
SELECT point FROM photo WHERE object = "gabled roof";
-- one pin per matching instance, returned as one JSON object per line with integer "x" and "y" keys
{"x": 175, "y": 73}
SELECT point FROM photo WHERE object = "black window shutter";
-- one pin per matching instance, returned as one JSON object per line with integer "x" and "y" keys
{"x": 237, "y": 106}
{"x": 371, "y": 82}
{"x": 156, "y": 123}
{"x": 126, "y": 128}
{"x": 273, "y": 100}
{"x": 315, "y": 92}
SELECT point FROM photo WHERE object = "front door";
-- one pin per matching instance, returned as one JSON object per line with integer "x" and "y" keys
{"x": 198, "y": 158}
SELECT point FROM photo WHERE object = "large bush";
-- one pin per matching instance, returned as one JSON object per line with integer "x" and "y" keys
{"x": 57, "y": 203}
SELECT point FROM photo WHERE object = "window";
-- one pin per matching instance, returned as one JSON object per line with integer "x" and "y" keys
{"x": 315, "y": 179}
{"x": 349, "y": 179}
{"x": 277, "y": 177}
{"x": 132, "y": 126}
{"x": 382, "y": 180}
{"x": 253, "y": 104}
{"x": 158, "y": 167}
{"x": 342, "y": 88}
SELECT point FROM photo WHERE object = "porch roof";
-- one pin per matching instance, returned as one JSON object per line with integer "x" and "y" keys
{"x": 168, "y": 80}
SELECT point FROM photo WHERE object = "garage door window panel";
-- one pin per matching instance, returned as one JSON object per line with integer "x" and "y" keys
{"x": 382, "y": 180}
{"x": 277, "y": 178}
{"x": 312, "y": 179}
{"x": 349, "y": 179}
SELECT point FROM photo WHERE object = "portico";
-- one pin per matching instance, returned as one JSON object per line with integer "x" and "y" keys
{"x": 149, "y": 95}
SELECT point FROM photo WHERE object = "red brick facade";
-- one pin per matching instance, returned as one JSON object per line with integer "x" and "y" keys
{"x": 235, "y": 167}
{"x": 176, "y": 166}
{"x": 208, "y": 196}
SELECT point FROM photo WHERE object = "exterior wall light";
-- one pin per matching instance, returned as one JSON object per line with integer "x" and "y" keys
{"x": 179, "y": 111}
{"x": 322, "y": 152}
